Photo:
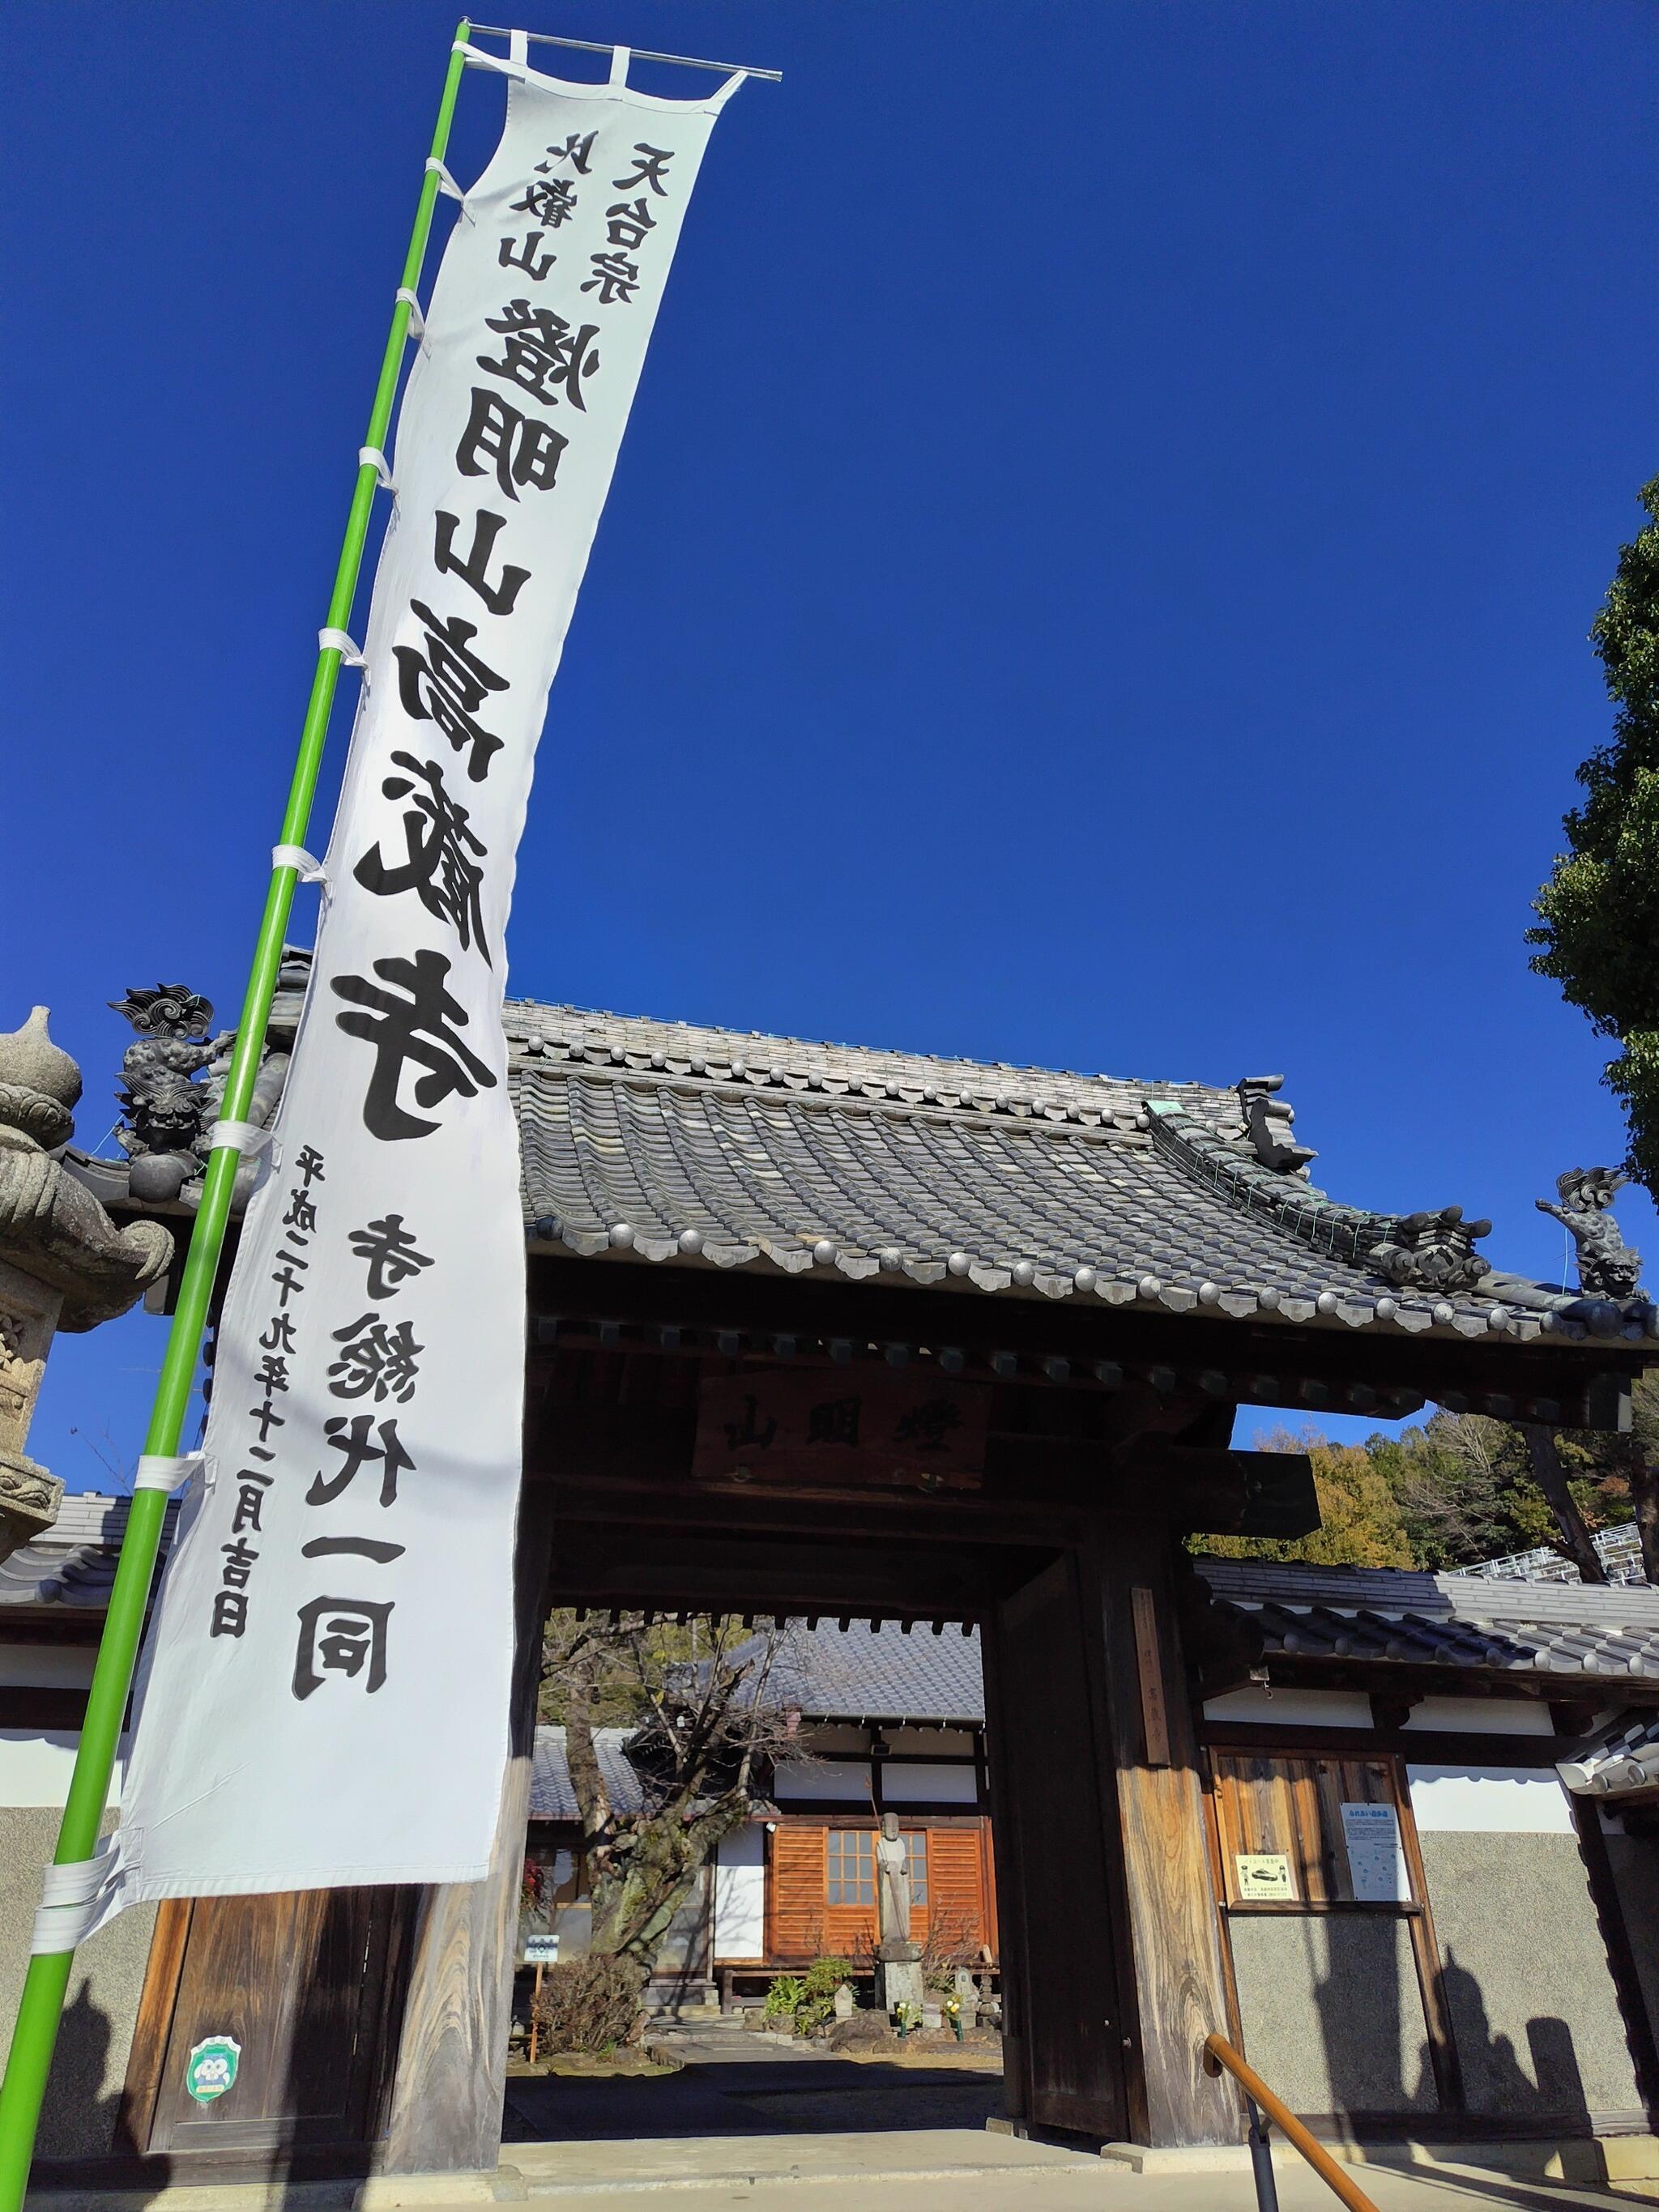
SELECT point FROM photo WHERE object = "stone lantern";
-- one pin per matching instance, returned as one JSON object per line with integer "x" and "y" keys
{"x": 63, "y": 1263}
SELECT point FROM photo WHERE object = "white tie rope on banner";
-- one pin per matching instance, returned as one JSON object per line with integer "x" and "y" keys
{"x": 446, "y": 183}
{"x": 71, "y": 1897}
{"x": 371, "y": 457}
{"x": 167, "y": 1470}
{"x": 343, "y": 643}
{"x": 308, "y": 869}
{"x": 244, "y": 1137}
{"x": 411, "y": 300}
{"x": 595, "y": 46}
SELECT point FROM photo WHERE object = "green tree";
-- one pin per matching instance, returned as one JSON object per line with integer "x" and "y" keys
{"x": 1361, "y": 1524}
{"x": 1620, "y": 1473}
{"x": 1600, "y": 910}
{"x": 1462, "y": 1489}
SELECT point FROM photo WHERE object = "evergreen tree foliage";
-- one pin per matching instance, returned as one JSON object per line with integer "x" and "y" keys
{"x": 1459, "y": 1490}
{"x": 1600, "y": 910}
{"x": 1362, "y": 1525}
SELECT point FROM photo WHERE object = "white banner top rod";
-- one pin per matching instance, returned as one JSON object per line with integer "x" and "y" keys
{"x": 640, "y": 53}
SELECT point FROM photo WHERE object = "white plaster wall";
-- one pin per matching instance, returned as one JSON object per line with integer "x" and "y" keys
{"x": 1515, "y": 1800}
{"x": 740, "y": 1895}
{"x": 1292, "y": 1708}
{"x": 903, "y": 1784}
{"x": 823, "y": 1778}
{"x": 35, "y": 1766}
{"x": 1484, "y": 1715}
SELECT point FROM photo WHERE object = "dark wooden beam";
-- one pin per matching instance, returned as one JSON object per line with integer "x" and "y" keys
{"x": 22, "y": 1707}
{"x": 1425, "y": 1679}
{"x": 1612, "y": 1920}
{"x": 1079, "y": 1457}
{"x": 639, "y": 1567}
{"x": 1425, "y": 1747}
{"x": 1255, "y": 1361}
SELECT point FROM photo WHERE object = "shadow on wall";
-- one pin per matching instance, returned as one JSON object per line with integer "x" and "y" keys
{"x": 1494, "y": 2081}
{"x": 1367, "y": 2047}
{"x": 76, "y": 2119}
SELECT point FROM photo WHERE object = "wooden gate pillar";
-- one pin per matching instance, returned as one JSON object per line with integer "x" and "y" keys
{"x": 445, "y": 2114}
{"x": 1172, "y": 1985}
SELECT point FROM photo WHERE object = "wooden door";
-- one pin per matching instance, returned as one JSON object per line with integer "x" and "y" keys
{"x": 1055, "y": 1818}
{"x": 304, "y": 1982}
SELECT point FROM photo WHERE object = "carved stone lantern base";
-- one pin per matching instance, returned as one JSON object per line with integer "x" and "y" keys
{"x": 30, "y": 1499}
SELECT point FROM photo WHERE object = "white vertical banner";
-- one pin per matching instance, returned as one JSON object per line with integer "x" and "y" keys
{"x": 323, "y": 1696}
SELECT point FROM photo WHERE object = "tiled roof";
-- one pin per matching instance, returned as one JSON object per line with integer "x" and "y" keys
{"x": 552, "y": 1793}
{"x": 671, "y": 1142}
{"x": 1386, "y": 1614}
{"x": 1403, "y": 1616}
{"x": 862, "y": 1672}
{"x": 1626, "y": 1759}
{"x": 73, "y": 1564}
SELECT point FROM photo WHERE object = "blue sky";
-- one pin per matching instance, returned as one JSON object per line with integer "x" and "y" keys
{"x": 1097, "y": 576}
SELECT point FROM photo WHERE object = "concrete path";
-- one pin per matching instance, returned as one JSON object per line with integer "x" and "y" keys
{"x": 779, "y": 2126}
{"x": 948, "y": 2170}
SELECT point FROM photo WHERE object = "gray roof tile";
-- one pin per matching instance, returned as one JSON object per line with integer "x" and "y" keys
{"x": 1401, "y": 1614}
{"x": 674, "y": 1142}
{"x": 864, "y": 1673}
{"x": 552, "y": 1793}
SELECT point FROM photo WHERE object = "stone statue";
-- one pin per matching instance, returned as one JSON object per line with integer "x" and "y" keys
{"x": 898, "y": 1970}
{"x": 63, "y": 1263}
{"x": 892, "y": 1884}
{"x": 1607, "y": 1267}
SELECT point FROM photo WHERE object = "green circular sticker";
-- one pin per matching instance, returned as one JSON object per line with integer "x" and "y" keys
{"x": 210, "y": 2070}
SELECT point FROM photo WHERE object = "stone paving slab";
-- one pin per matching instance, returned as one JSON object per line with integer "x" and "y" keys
{"x": 805, "y": 2160}
{"x": 955, "y": 2172}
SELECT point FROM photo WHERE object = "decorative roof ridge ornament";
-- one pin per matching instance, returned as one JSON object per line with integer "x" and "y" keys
{"x": 1431, "y": 1250}
{"x": 1268, "y": 1122}
{"x": 1607, "y": 1267}
{"x": 167, "y": 1131}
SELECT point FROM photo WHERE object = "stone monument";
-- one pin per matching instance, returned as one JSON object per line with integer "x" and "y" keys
{"x": 63, "y": 1263}
{"x": 899, "y": 1960}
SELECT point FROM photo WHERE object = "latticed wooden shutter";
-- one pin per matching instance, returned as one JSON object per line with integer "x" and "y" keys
{"x": 795, "y": 1893}
{"x": 956, "y": 1884}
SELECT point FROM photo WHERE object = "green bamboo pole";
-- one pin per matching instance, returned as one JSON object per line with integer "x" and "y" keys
{"x": 35, "y": 2033}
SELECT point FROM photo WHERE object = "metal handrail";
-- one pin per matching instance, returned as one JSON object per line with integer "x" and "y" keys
{"x": 1218, "y": 2054}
